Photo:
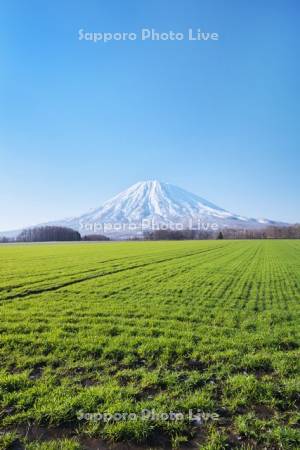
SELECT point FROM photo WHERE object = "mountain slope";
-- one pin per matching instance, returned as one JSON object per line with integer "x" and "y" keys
{"x": 150, "y": 204}
{"x": 152, "y": 199}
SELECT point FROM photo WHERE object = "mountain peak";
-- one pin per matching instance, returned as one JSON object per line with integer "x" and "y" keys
{"x": 155, "y": 200}
{"x": 157, "y": 203}
{"x": 150, "y": 183}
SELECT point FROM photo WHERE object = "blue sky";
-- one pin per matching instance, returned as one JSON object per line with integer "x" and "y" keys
{"x": 81, "y": 121}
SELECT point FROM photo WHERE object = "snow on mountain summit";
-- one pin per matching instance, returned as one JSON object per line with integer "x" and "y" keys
{"x": 159, "y": 203}
{"x": 154, "y": 200}
{"x": 153, "y": 204}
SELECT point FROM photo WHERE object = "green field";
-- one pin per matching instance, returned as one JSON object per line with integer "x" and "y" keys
{"x": 207, "y": 326}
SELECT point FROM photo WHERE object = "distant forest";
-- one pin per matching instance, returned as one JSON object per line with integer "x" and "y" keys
{"x": 272, "y": 232}
{"x": 53, "y": 233}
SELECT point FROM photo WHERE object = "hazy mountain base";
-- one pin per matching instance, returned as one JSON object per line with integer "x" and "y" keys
{"x": 151, "y": 205}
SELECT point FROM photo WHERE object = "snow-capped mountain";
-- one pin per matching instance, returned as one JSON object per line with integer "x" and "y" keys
{"x": 151, "y": 204}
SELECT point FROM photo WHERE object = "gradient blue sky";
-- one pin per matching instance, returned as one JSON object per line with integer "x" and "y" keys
{"x": 81, "y": 121}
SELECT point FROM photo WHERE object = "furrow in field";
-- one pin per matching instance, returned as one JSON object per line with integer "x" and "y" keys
{"x": 66, "y": 283}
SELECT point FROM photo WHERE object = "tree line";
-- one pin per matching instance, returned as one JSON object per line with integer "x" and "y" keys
{"x": 271, "y": 232}
{"x": 52, "y": 234}
{"x": 176, "y": 235}
{"x": 55, "y": 233}
{"x": 47, "y": 234}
